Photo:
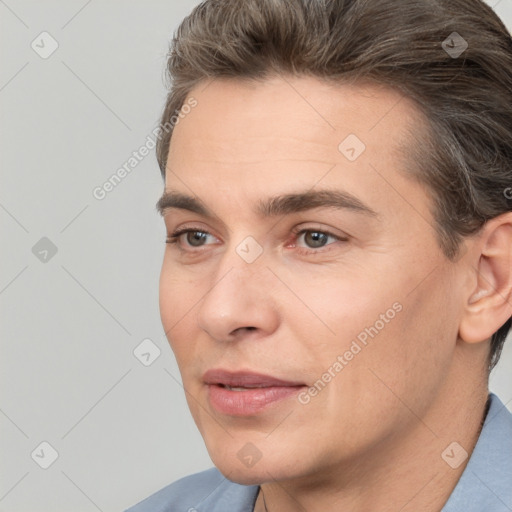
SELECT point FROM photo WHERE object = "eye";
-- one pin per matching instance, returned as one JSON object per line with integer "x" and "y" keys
{"x": 194, "y": 237}
{"x": 316, "y": 239}
{"x": 313, "y": 238}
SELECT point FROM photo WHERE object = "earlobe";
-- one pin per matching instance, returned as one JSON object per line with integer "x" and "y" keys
{"x": 489, "y": 305}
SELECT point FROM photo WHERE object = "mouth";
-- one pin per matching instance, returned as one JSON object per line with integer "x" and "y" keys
{"x": 247, "y": 393}
{"x": 239, "y": 388}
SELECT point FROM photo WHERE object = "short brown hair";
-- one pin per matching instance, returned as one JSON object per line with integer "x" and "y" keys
{"x": 464, "y": 156}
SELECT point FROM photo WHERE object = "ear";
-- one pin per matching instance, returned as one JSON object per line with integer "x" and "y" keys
{"x": 489, "y": 305}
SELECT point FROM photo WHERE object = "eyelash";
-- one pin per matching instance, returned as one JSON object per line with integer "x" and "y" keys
{"x": 174, "y": 238}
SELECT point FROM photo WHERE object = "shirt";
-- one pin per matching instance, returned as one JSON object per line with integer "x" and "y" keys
{"x": 484, "y": 486}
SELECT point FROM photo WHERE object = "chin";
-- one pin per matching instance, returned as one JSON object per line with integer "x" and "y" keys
{"x": 245, "y": 477}
{"x": 266, "y": 469}
{"x": 236, "y": 471}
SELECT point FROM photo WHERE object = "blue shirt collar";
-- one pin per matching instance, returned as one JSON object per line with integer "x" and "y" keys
{"x": 486, "y": 483}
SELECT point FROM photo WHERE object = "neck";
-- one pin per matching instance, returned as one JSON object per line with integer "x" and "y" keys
{"x": 406, "y": 474}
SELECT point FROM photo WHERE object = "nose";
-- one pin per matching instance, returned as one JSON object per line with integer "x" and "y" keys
{"x": 240, "y": 300}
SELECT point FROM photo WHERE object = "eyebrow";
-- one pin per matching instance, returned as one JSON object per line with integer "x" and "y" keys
{"x": 285, "y": 204}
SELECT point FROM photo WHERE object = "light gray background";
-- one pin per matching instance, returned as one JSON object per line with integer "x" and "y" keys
{"x": 69, "y": 325}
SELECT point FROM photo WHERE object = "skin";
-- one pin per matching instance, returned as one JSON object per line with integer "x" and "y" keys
{"x": 372, "y": 439}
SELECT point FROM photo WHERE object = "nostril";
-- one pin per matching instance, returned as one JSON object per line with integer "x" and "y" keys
{"x": 242, "y": 329}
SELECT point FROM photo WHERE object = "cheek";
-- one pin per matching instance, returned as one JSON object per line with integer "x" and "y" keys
{"x": 339, "y": 307}
{"x": 167, "y": 298}
{"x": 180, "y": 294}
{"x": 386, "y": 327}
{"x": 177, "y": 294}
{"x": 410, "y": 358}
{"x": 176, "y": 300}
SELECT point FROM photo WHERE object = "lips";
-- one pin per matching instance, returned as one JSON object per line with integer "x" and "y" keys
{"x": 246, "y": 393}
{"x": 246, "y": 379}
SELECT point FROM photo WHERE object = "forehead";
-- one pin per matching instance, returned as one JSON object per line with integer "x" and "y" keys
{"x": 239, "y": 121}
{"x": 259, "y": 138}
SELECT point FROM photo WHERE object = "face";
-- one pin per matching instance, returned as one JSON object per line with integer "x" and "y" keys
{"x": 308, "y": 300}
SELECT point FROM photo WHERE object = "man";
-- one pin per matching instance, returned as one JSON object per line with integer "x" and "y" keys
{"x": 337, "y": 283}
